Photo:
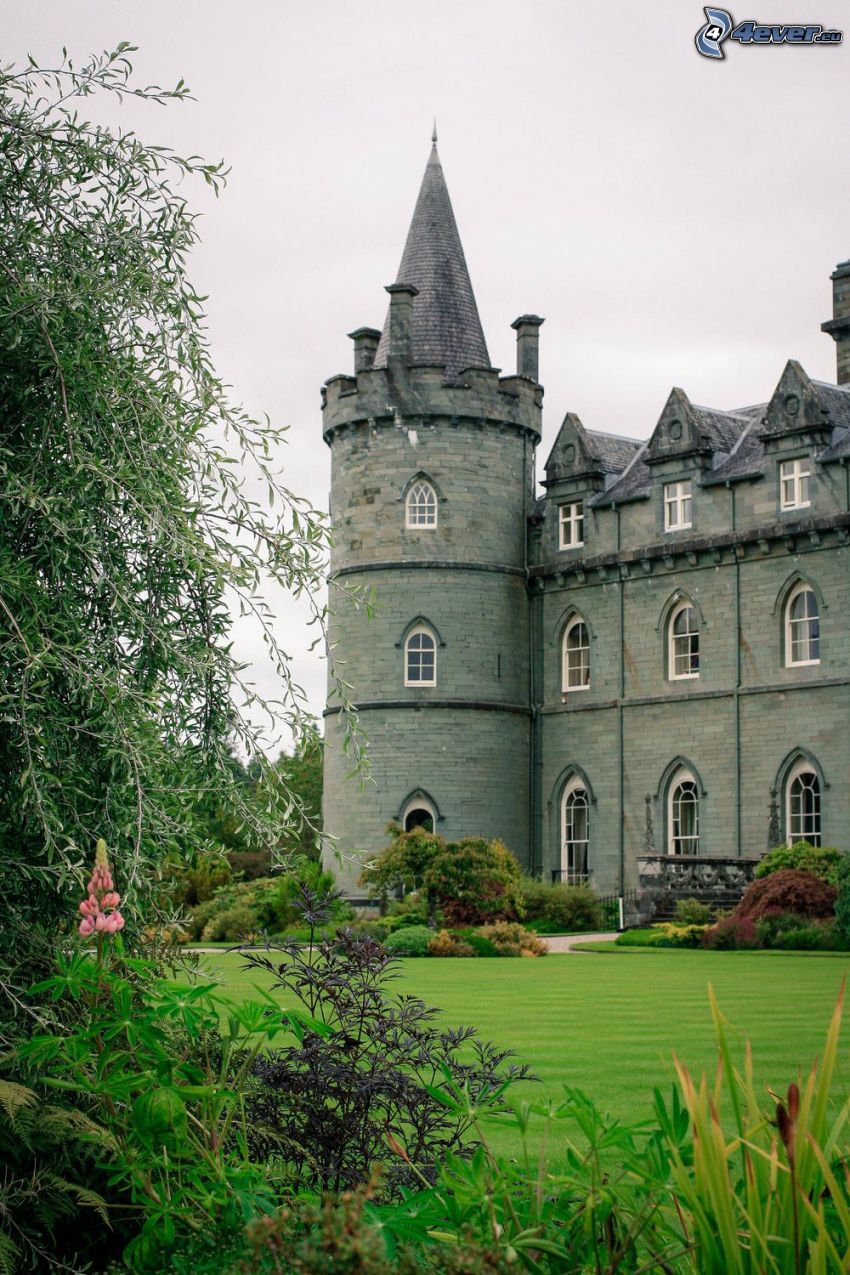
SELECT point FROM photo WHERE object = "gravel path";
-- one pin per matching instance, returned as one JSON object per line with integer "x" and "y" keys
{"x": 560, "y": 943}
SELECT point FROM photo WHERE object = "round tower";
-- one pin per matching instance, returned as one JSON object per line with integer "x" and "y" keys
{"x": 432, "y": 463}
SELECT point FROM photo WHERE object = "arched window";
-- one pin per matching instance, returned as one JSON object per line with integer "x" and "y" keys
{"x": 802, "y": 627}
{"x": 421, "y": 505}
{"x": 683, "y": 814}
{"x": 802, "y": 805}
{"x": 575, "y": 833}
{"x": 420, "y": 658}
{"x": 576, "y": 657}
{"x": 418, "y": 813}
{"x": 683, "y": 643}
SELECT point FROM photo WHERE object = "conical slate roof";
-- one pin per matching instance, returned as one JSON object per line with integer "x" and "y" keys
{"x": 446, "y": 329}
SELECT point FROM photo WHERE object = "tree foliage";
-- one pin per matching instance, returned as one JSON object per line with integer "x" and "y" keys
{"x": 129, "y": 531}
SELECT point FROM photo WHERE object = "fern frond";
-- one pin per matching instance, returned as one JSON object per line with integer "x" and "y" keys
{"x": 16, "y": 1098}
{"x": 90, "y": 1199}
{"x": 10, "y": 1254}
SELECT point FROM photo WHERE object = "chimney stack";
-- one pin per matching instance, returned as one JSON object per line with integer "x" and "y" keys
{"x": 365, "y": 347}
{"x": 838, "y": 326}
{"x": 527, "y": 344}
{"x": 401, "y": 320}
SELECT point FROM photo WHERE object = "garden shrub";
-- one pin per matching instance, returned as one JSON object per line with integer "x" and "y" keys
{"x": 535, "y": 892}
{"x": 410, "y": 940}
{"x": 822, "y": 861}
{"x": 664, "y": 934}
{"x": 573, "y": 908}
{"x": 444, "y": 943}
{"x": 404, "y": 863}
{"x": 788, "y": 890}
{"x": 475, "y": 881}
{"x": 732, "y": 934}
{"x": 199, "y": 917}
{"x": 512, "y": 939}
{"x": 692, "y": 912}
{"x": 231, "y": 925}
{"x": 473, "y": 938}
{"x": 807, "y": 938}
{"x": 326, "y": 1103}
{"x": 775, "y": 923}
{"x": 842, "y": 902}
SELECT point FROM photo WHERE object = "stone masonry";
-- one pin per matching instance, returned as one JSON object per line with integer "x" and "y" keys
{"x": 500, "y": 741}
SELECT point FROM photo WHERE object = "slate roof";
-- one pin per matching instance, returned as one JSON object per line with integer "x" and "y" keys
{"x": 612, "y": 450}
{"x": 723, "y": 429}
{"x": 747, "y": 456}
{"x": 836, "y": 400}
{"x": 446, "y": 328}
{"x": 634, "y": 482}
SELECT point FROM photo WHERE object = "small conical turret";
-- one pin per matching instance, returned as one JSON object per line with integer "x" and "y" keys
{"x": 445, "y": 326}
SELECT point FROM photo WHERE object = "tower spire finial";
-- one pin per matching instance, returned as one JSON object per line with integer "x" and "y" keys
{"x": 434, "y": 134}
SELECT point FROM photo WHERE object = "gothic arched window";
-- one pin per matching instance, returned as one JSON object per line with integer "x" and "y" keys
{"x": 575, "y": 674}
{"x": 683, "y": 814}
{"x": 420, "y": 657}
{"x": 575, "y": 833}
{"x": 802, "y": 805}
{"x": 421, "y": 505}
{"x": 802, "y": 627}
{"x": 683, "y": 643}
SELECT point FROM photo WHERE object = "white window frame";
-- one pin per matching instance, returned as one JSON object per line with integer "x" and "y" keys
{"x": 815, "y": 836}
{"x": 566, "y": 688}
{"x": 680, "y": 778}
{"x": 569, "y": 844}
{"x": 673, "y": 638}
{"x": 571, "y": 525}
{"x": 793, "y": 474}
{"x": 419, "y": 630}
{"x": 795, "y": 593}
{"x": 428, "y": 503}
{"x": 679, "y": 497}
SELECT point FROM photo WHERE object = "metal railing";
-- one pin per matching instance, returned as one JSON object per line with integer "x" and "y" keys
{"x": 568, "y": 877}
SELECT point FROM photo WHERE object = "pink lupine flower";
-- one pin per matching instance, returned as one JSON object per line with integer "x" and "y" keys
{"x": 99, "y": 909}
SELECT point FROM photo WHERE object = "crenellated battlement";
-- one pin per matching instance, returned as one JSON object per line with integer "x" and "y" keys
{"x": 390, "y": 395}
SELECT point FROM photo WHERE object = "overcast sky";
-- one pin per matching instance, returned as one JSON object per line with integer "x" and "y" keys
{"x": 674, "y": 219}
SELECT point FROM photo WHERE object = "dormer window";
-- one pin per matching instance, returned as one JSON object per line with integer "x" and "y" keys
{"x": 571, "y": 522}
{"x": 678, "y": 504}
{"x": 794, "y": 478}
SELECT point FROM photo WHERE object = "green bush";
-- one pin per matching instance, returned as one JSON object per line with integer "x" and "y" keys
{"x": 512, "y": 939}
{"x": 822, "y": 861}
{"x": 535, "y": 892}
{"x": 807, "y": 938}
{"x": 411, "y": 940}
{"x": 773, "y": 924}
{"x": 692, "y": 912}
{"x": 664, "y": 934}
{"x": 231, "y": 925}
{"x": 842, "y": 902}
{"x": 480, "y": 945}
{"x": 476, "y": 881}
{"x": 199, "y": 918}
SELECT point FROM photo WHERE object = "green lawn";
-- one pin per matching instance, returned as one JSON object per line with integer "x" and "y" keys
{"x": 611, "y": 1022}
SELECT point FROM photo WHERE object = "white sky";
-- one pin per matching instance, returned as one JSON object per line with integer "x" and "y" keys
{"x": 675, "y": 220}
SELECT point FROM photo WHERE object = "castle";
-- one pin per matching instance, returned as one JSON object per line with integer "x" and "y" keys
{"x": 647, "y": 665}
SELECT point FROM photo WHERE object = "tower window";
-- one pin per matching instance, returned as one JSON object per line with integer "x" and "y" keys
{"x": 794, "y": 478}
{"x": 802, "y": 806}
{"x": 421, "y": 506}
{"x": 576, "y": 657}
{"x": 571, "y": 522}
{"x": 683, "y": 814}
{"x": 575, "y": 839}
{"x": 683, "y": 650}
{"x": 678, "y": 505}
{"x": 802, "y": 627}
{"x": 420, "y": 658}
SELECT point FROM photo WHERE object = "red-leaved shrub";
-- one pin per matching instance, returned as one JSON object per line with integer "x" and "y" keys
{"x": 788, "y": 891}
{"x": 733, "y": 933}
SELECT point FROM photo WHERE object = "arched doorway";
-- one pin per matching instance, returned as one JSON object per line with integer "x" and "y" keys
{"x": 418, "y": 813}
